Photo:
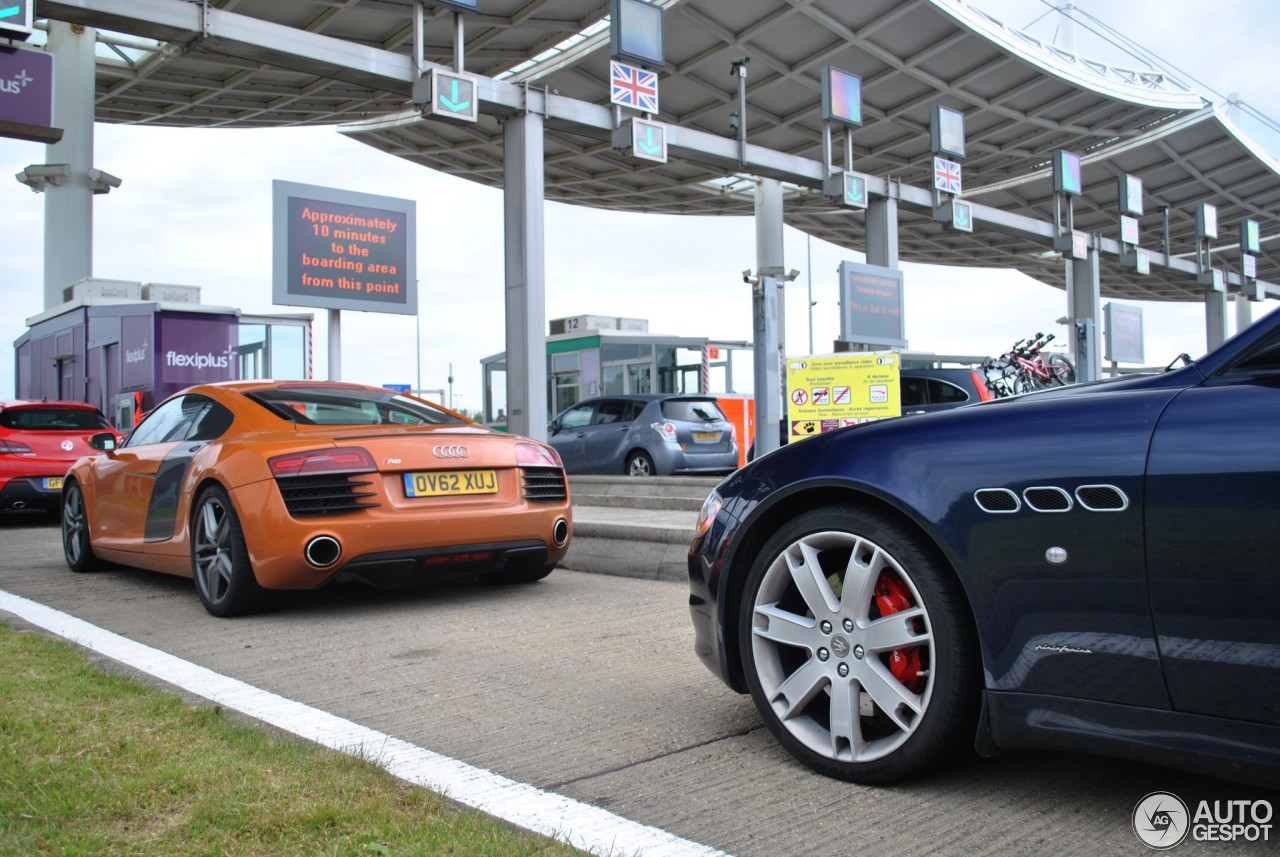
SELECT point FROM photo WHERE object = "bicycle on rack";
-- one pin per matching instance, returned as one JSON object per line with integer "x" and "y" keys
{"x": 1023, "y": 368}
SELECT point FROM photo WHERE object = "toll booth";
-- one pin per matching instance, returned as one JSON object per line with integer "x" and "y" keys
{"x": 125, "y": 346}
{"x": 593, "y": 355}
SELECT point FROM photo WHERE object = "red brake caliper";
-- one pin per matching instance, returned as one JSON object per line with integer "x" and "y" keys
{"x": 892, "y": 597}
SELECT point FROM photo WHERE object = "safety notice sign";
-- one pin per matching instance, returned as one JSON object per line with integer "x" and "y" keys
{"x": 826, "y": 393}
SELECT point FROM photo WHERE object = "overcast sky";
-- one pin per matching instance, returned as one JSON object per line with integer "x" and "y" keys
{"x": 195, "y": 209}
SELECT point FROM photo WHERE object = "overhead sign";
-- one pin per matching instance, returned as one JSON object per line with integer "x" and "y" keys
{"x": 459, "y": 5}
{"x": 26, "y": 93}
{"x": 827, "y": 393}
{"x": 649, "y": 140}
{"x": 946, "y": 132}
{"x": 855, "y": 190}
{"x": 17, "y": 19}
{"x": 1123, "y": 338}
{"x": 632, "y": 87}
{"x": 1250, "y": 237}
{"x": 1130, "y": 231}
{"x": 635, "y": 32}
{"x": 1130, "y": 188}
{"x": 449, "y": 95}
{"x": 841, "y": 96}
{"x": 341, "y": 249}
{"x": 871, "y": 304}
{"x": 946, "y": 175}
{"x": 1067, "y": 176}
{"x": 962, "y": 216}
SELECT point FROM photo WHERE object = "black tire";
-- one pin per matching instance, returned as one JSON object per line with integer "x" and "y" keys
{"x": 639, "y": 464}
{"x": 1061, "y": 370}
{"x": 515, "y": 574}
{"x": 220, "y": 561}
{"x": 76, "y": 544}
{"x": 795, "y": 673}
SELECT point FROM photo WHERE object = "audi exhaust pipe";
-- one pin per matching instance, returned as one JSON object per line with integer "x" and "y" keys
{"x": 560, "y": 532}
{"x": 322, "y": 551}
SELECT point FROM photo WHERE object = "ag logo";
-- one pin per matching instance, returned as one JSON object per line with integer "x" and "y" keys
{"x": 1161, "y": 820}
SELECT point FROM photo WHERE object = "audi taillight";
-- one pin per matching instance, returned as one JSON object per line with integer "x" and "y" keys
{"x": 536, "y": 455}
{"x": 349, "y": 459}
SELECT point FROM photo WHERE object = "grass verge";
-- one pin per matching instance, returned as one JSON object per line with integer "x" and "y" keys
{"x": 94, "y": 763}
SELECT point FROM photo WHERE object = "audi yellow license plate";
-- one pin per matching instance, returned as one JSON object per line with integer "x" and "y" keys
{"x": 450, "y": 483}
{"x": 706, "y": 436}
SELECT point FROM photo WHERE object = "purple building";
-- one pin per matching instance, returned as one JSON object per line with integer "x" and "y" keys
{"x": 125, "y": 347}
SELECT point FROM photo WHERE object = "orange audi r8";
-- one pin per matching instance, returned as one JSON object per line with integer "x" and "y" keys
{"x": 253, "y": 487}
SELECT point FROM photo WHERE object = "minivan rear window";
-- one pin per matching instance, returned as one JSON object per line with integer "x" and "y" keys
{"x": 692, "y": 410}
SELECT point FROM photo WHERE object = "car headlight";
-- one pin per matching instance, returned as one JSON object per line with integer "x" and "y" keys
{"x": 707, "y": 514}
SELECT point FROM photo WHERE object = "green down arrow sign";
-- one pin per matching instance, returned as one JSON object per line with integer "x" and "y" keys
{"x": 649, "y": 140}
{"x": 453, "y": 95}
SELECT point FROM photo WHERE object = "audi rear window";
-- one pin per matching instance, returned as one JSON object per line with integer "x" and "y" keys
{"x": 692, "y": 410}
{"x": 52, "y": 419}
{"x": 349, "y": 407}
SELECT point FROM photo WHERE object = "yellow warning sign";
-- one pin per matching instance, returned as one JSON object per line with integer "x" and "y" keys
{"x": 826, "y": 393}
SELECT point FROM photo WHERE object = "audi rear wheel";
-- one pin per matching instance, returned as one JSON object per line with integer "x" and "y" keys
{"x": 220, "y": 561}
{"x": 858, "y": 648}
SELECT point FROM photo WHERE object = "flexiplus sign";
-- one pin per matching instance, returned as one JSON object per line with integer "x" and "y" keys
{"x": 826, "y": 393}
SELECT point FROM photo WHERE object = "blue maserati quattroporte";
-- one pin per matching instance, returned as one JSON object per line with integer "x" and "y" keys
{"x": 1090, "y": 568}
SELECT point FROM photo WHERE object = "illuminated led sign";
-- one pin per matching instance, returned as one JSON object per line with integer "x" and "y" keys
{"x": 1250, "y": 237}
{"x": 635, "y": 32}
{"x": 946, "y": 132}
{"x": 341, "y": 249}
{"x": 1066, "y": 173}
{"x": 1130, "y": 195}
{"x": 841, "y": 96}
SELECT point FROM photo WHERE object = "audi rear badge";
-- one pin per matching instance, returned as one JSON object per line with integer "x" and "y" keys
{"x": 451, "y": 452}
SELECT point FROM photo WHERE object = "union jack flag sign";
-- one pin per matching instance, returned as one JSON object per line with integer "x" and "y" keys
{"x": 633, "y": 87}
{"x": 946, "y": 175}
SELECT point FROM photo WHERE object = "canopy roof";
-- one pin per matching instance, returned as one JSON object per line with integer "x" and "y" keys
{"x": 262, "y": 63}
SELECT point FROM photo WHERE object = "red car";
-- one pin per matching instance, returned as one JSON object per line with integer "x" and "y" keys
{"x": 39, "y": 441}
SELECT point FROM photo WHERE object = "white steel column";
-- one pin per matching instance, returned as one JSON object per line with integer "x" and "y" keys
{"x": 1215, "y": 319}
{"x": 769, "y": 251}
{"x": 68, "y": 204}
{"x": 768, "y": 307}
{"x": 335, "y": 345}
{"x": 525, "y": 274}
{"x": 882, "y": 232}
{"x": 1084, "y": 308}
{"x": 1244, "y": 312}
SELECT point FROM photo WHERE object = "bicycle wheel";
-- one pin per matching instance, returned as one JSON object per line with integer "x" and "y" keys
{"x": 1025, "y": 382}
{"x": 1061, "y": 370}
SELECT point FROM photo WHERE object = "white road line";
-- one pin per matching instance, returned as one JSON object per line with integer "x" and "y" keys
{"x": 581, "y": 825}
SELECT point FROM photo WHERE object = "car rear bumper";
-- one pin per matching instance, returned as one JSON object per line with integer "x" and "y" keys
{"x": 385, "y": 544}
{"x": 402, "y": 569}
{"x": 28, "y": 492}
{"x": 671, "y": 460}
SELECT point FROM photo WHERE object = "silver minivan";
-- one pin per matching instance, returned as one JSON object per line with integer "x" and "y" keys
{"x": 645, "y": 435}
